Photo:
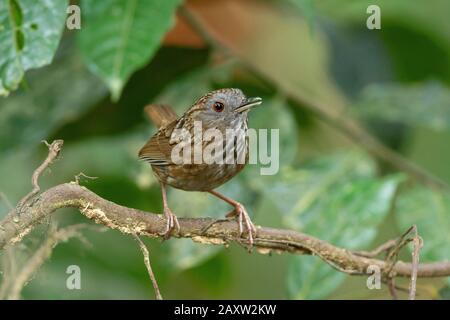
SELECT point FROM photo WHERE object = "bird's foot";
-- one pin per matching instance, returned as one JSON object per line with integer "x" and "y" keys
{"x": 171, "y": 224}
{"x": 244, "y": 221}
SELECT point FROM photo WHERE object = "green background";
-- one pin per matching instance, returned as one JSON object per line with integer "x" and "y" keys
{"x": 89, "y": 88}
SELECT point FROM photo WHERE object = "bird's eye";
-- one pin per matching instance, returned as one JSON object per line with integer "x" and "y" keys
{"x": 218, "y": 106}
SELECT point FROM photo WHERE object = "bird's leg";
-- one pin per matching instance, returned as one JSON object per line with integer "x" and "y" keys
{"x": 172, "y": 221}
{"x": 241, "y": 214}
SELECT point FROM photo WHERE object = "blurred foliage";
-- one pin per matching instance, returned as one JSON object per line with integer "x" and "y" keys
{"x": 121, "y": 36}
{"x": 396, "y": 77}
{"x": 39, "y": 110}
{"x": 337, "y": 191}
{"x": 308, "y": 10}
{"x": 29, "y": 36}
{"x": 425, "y": 105}
{"x": 433, "y": 226}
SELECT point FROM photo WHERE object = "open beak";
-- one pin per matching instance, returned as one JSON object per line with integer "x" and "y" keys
{"x": 248, "y": 104}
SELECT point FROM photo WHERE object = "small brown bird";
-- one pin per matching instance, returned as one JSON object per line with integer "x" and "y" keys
{"x": 220, "y": 112}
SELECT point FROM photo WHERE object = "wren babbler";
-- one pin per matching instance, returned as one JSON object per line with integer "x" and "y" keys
{"x": 220, "y": 110}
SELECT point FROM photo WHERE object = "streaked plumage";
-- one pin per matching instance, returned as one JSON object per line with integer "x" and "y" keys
{"x": 157, "y": 151}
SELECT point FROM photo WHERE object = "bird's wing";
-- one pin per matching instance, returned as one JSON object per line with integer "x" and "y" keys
{"x": 158, "y": 150}
{"x": 160, "y": 115}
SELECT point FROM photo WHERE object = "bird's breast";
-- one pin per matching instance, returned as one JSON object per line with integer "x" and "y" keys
{"x": 228, "y": 161}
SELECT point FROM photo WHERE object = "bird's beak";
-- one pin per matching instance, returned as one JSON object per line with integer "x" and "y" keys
{"x": 248, "y": 104}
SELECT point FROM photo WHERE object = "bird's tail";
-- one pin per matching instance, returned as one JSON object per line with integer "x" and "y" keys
{"x": 160, "y": 114}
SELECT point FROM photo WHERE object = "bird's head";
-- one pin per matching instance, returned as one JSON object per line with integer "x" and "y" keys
{"x": 223, "y": 106}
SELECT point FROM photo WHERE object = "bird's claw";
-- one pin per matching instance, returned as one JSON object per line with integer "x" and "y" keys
{"x": 244, "y": 220}
{"x": 171, "y": 223}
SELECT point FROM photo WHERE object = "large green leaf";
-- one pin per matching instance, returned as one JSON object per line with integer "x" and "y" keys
{"x": 29, "y": 35}
{"x": 303, "y": 187}
{"x": 338, "y": 199}
{"x": 429, "y": 210}
{"x": 426, "y": 105}
{"x": 310, "y": 278}
{"x": 56, "y": 94}
{"x": 348, "y": 218}
{"x": 118, "y": 37}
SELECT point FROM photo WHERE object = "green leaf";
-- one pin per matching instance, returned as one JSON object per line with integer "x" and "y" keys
{"x": 57, "y": 94}
{"x": 303, "y": 187}
{"x": 29, "y": 35}
{"x": 338, "y": 199}
{"x": 311, "y": 278}
{"x": 429, "y": 210}
{"x": 425, "y": 105}
{"x": 118, "y": 37}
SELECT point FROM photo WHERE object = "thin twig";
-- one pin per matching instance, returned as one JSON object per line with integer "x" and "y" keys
{"x": 54, "y": 149}
{"x": 40, "y": 256}
{"x": 82, "y": 175}
{"x": 148, "y": 266}
{"x": 393, "y": 252}
{"x": 378, "y": 250}
{"x": 392, "y": 288}
{"x": 393, "y": 248}
{"x": 391, "y": 259}
{"x": 417, "y": 245}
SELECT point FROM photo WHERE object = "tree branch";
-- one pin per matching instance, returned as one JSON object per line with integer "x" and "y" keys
{"x": 34, "y": 208}
{"x": 54, "y": 149}
{"x": 202, "y": 230}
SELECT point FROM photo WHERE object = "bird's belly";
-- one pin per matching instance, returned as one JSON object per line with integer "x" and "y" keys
{"x": 196, "y": 177}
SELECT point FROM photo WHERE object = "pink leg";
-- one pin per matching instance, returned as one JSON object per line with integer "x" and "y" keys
{"x": 242, "y": 215}
{"x": 172, "y": 221}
